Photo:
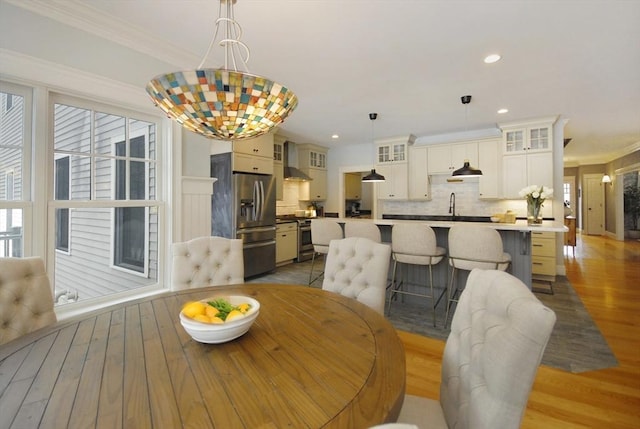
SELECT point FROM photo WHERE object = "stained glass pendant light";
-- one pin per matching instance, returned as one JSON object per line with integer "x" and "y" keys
{"x": 373, "y": 176}
{"x": 223, "y": 103}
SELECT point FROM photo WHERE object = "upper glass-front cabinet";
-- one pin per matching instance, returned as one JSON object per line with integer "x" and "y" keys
{"x": 392, "y": 152}
{"x": 531, "y": 138}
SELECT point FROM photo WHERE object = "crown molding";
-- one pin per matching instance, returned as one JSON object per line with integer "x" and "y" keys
{"x": 78, "y": 14}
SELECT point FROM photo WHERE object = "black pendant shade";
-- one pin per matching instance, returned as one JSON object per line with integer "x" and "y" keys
{"x": 467, "y": 171}
{"x": 373, "y": 177}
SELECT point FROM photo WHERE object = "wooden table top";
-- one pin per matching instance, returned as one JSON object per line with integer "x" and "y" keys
{"x": 311, "y": 359}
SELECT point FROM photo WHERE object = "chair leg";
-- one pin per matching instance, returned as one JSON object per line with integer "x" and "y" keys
{"x": 313, "y": 258}
{"x": 450, "y": 295}
{"x": 434, "y": 303}
{"x": 393, "y": 286}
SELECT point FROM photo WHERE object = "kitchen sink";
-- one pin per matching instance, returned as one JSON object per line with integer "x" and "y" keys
{"x": 444, "y": 218}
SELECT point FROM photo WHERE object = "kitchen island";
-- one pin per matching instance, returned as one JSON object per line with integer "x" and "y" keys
{"x": 516, "y": 239}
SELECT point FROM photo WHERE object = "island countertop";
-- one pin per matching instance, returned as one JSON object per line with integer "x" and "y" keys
{"x": 520, "y": 225}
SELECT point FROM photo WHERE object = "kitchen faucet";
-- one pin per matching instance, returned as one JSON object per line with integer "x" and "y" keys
{"x": 452, "y": 204}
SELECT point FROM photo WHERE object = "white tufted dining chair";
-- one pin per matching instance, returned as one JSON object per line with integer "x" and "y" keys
{"x": 498, "y": 335}
{"x": 472, "y": 247}
{"x": 366, "y": 229}
{"x": 26, "y": 300}
{"x": 357, "y": 267}
{"x": 322, "y": 232}
{"x": 207, "y": 261}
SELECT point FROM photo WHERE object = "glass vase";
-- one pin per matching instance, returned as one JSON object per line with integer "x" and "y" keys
{"x": 534, "y": 217}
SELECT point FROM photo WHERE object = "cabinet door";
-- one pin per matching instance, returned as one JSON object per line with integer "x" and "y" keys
{"x": 489, "y": 163}
{"x": 259, "y": 146}
{"x": 514, "y": 175}
{"x": 316, "y": 189}
{"x": 540, "y": 169}
{"x": 539, "y": 138}
{"x": 252, "y": 164}
{"x": 278, "y": 173}
{"x": 395, "y": 185}
{"x": 462, "y": 152}
{"x": 352, "y": 186}
{"x": 419, "y": 183}
{"x": 439, "y": 159}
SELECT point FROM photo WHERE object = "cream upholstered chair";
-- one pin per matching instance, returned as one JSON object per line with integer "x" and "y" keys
{"x": 207, "y": 261}
{"x": 322, "y": 232}
{"x": 357, "y": 267}
{"x": 472, "y": 247}
{"x": 26, "y": 300}
{"x": 366, "y": 229}
{"x": 498, "y": 335}
{"x": 413, "y": 244}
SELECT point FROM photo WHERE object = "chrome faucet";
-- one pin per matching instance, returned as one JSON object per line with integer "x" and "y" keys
{"x": 452, "y": 204}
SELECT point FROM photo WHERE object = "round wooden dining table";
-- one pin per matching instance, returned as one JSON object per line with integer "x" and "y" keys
{"x": 312, "y": 359}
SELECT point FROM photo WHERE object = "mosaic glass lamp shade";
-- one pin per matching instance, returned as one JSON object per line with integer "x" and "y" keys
{"x": 223, "y": 104}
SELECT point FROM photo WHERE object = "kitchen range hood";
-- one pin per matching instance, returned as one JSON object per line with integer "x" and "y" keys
{"x": 290, "y": 157}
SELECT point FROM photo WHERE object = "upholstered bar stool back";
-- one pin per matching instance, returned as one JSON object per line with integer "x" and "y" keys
{"x": 472, "y": 247}
{"x": 365, "y": 229}
{"x": 26, "y": 299}
{"x": 357, "y": 267}
{"x": 322, "y": 232}
{"x": 415, "y": 244}
{"x": 207, "y": 261}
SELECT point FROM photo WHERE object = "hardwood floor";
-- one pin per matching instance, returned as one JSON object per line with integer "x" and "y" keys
{"x": 606, "y": 275}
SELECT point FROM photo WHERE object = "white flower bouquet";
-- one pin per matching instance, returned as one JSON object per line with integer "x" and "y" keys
{"x": 535, "y": 196}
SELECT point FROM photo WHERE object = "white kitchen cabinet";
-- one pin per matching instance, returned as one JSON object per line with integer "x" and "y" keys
{"x": 524, "y": 170}
{"x": 446, "y": 158}
{"x": 260, "y": 146}
{"x": 419, "y": 179}
{"x": 352, "y": 186}
{"x": 252, "y": 164}
{"x": 316, "y": 189}
{"x": 286, "y": 242}
{"x": 278, "y": 166}
{"x": 392, "y": 152}
{"x": 395, "y": 184}
{"x": 312, "y": 156}
{"x": 543, "y": 253}
{"x": 254, "y": 155}
{"x": 530, "y": 136}
{"x": 490, "y": 162}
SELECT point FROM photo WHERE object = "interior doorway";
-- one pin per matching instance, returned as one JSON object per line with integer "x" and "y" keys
{"x": 366, "y": 202}
{"x": 593, "y": 208}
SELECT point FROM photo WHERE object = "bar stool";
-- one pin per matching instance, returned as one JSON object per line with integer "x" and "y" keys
{"x": 365, "y": 229}
{"x": 473, "y": 247}
{"x": 322, "y": 232}
{"x": 415, "y": 245}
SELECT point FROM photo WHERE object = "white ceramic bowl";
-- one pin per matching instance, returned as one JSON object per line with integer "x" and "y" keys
{"x": 212, "y": 333}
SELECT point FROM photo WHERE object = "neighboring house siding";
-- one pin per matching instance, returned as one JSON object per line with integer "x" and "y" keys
{"x": 11, "y": 145}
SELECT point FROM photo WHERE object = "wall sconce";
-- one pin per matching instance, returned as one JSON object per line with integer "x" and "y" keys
{"x": 607, "y": 179}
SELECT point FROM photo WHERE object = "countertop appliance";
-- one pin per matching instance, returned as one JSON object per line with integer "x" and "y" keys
{"x": 243, "y": 206}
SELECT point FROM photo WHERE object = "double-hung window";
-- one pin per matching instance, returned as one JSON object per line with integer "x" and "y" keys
{"x": 107, "y": 212}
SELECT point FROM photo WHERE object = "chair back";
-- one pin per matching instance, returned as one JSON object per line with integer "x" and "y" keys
{"x": 365, "y": 229}
{"x": 207, "y": 261}
{"x": 26, "y": 299}
{"x": 498, "y": 335}
{"x": 476, "y": 247}
{"x": 415, "y": 244}
{"x": 322, "y": 232}
{"x": 358, "y": 267}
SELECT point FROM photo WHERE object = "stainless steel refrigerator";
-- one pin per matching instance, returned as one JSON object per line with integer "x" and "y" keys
{"x": 243, "y": 206}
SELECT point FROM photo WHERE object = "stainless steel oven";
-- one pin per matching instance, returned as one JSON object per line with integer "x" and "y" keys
{"x": 305, "y": 246}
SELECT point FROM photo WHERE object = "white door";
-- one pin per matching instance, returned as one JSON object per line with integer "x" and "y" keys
{"x": 594, "y": 204}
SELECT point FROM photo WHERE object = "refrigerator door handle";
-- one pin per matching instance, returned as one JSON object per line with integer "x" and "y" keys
{"x": 256, "y": 201}
{"x": 261, "y": 244}
{"x": 261, "y": 200}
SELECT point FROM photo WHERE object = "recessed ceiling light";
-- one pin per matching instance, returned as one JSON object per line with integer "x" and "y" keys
{"x": 335, "y": 136}
{"x": 502, "y": 111}
{"x": 490, "y": 59}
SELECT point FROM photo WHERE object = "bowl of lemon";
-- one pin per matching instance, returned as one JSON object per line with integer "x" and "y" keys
{"x": 219, "y": 319}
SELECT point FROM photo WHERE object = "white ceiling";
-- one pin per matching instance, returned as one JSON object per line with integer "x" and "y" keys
{"x": 407, "y": 60}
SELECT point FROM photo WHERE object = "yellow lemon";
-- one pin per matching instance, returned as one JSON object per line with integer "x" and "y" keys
{"x": 211, "y": 311}
{"x": 216, "y": 319}
{"x": 234, "y": 314}
{"x": 202, "y": 318}
{"x": 244, "y": 307}
{"x": 191, "y": 309}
